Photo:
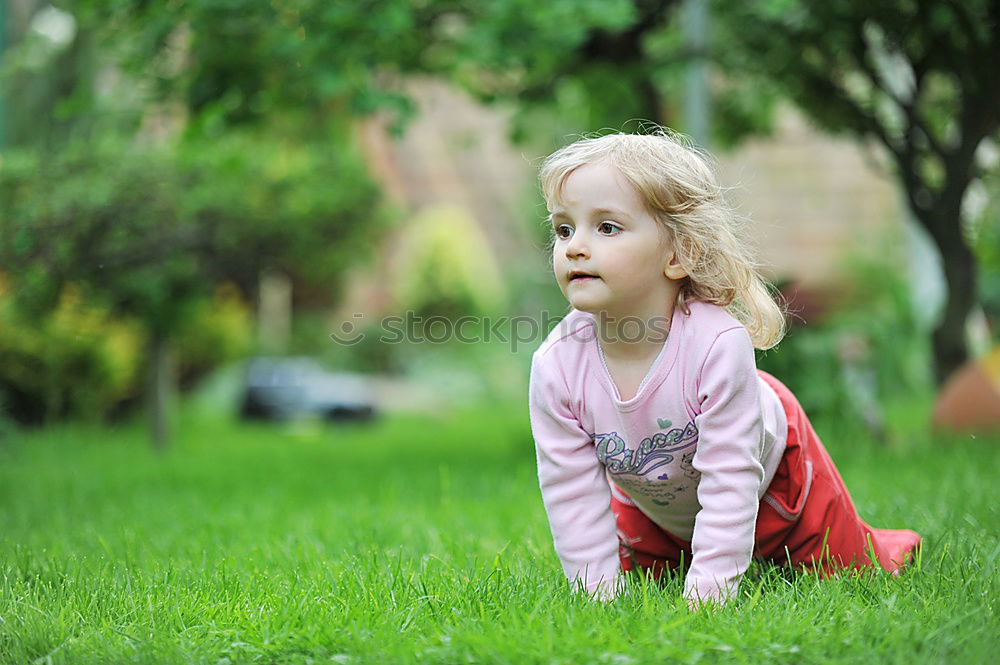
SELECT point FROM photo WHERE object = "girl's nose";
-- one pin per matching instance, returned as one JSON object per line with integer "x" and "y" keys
{"x": 577, "y": 246}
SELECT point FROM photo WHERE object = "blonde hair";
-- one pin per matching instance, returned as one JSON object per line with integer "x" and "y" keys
{"x": 683, "y": 194}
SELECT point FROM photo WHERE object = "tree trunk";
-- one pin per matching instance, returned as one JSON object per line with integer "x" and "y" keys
{"x": 161, "y": 386}
{"x": 274, "y": 312}
{"x": 950, "y": 346}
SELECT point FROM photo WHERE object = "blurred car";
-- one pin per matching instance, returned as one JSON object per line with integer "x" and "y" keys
{"x": 289, "y": 387}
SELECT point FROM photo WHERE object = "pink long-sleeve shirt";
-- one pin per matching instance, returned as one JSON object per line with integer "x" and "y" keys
{"x": 695, "y": 448}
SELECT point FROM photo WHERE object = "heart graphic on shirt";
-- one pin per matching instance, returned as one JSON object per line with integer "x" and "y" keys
{"x": 663, "y": 477}
{"x": 664, "y": 424}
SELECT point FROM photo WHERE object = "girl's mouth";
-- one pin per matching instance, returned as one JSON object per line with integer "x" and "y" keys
{"x": 578, "y": 276}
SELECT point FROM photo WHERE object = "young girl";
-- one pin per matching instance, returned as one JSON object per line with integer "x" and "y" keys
{"x": 659, "y": 443}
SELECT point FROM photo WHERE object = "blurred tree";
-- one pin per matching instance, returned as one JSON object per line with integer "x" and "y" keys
{"x": 241, "y": 62}
{"x": 919, "y": 77}
{"x": 166, "y": 148}
{"x": 598, "y": 55}
{"x": 590, "y": 63}
{"x": 152, "y": 231}
{"x": 595, "y": 62}
{"x": 48, "y": 74}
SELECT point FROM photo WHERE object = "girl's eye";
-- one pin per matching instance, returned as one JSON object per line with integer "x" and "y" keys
{"x": 608, "y": 228}
{"x": 564, "y": 231}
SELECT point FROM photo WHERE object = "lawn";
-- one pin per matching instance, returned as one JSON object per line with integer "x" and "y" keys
{"x": 422, "y": 539}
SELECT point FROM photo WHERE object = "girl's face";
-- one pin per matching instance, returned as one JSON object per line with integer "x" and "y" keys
{"x": 610, "y": 255}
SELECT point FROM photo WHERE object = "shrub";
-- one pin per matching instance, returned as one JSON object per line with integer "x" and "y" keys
{"x": 73, "y": 361}
{"x": 77, "y": 361}
{"x": 447, "y": 269}
{"x": 868, "y": 353}
{"x": 217, "y": 331}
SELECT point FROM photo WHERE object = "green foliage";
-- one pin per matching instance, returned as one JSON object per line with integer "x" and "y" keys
{"x": 96, "y": 214}
{"x": 533, "y": 52}
{"x": 79, "y": 360}
{"x": 48, "y": 80}
{"x": 147, "y": 229}
{"x": 866, "y": 356}
{"x": 218, "y": 330}
{"x": 580, "y": 66}
{"x": 917, "y": 77}
{"x": 150, "y": 232}
{"x": 243, "y": 62}
{"x": 885, "y": 71}
{"x": 447, "y": 268}
{"x": 75, "y": 361}
{"x": 590, "y": 63}
{"x": 164, "y": 150}
{"x": 306, "y": 207}
{"x": 148, "y": 222}
{"x": 985, "y": 239}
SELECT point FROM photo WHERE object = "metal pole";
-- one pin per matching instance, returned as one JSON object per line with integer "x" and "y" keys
{"x": 697, "y": 100}
{"x": 3, "y": 46}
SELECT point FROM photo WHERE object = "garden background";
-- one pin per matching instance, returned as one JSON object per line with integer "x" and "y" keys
{"x": 187, "y": 185}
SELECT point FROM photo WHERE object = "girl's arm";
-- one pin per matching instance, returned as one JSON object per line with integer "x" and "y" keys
{"x": 574, "y": 488}
{"x": 730, "y": 442}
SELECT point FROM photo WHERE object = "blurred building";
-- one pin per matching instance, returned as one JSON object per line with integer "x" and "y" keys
{"x": 813, "y": 200}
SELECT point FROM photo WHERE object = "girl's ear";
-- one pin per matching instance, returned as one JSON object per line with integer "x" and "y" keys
{"x": 673, "y": 269}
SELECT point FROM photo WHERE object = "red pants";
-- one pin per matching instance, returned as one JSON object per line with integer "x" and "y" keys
{"x": 806, "y": 518}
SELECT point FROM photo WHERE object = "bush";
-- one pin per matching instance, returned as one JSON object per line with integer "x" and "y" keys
{"x": 868, "y": 354}
{"x": 447, "y": 269}
{"x": 75, "y": 361}
{"x": 217, "y": 331}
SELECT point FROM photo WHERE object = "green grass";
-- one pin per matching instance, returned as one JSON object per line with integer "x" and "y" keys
{"x": 423, "y": 539}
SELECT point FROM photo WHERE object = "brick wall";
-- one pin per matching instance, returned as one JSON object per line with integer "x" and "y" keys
{"x": 814, "y": 200}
